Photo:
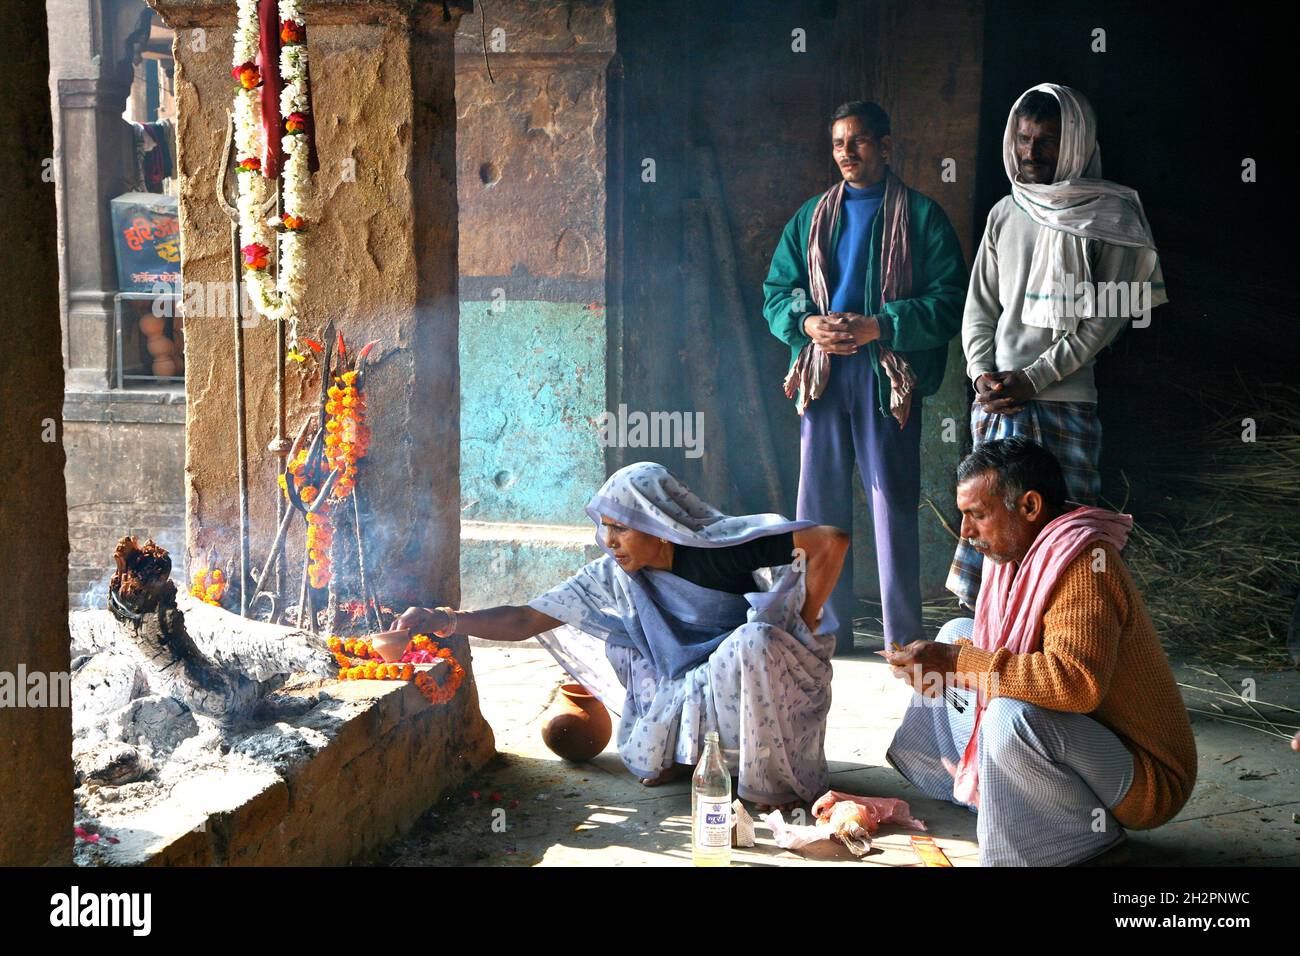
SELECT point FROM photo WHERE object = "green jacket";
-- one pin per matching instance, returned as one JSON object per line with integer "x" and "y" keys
{"x": 918, "y": 327}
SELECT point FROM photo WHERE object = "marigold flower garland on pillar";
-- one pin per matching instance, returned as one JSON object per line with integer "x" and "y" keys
{"x": 349, "y": 436}
{"x": 276, "y": 298}
{"x": 346, "y": 442}
{"x": 320, "y": 530}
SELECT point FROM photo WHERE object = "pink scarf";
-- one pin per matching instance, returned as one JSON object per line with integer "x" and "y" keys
{"x": 1012, "y": 599}
{"x": 812, "y": 368}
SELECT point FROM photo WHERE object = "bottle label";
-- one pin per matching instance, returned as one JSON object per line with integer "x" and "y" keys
{"x": 713, "y": 824}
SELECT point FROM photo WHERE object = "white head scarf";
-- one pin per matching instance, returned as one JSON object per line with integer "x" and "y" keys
{"x": 1078, "y": 205}
{"x": 647, "y": 497}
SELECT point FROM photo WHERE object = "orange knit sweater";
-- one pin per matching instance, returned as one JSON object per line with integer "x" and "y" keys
{"x": 1100, "y": 656}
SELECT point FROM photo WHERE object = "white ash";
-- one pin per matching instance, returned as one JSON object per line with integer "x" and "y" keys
{"x": 135, "y": 739}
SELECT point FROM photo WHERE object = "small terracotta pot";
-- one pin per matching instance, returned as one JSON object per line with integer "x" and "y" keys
{"x": 577, "y": 726}
{"x": 390, "y": 645}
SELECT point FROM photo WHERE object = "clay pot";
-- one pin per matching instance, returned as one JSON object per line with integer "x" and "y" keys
{"x": 577, "y": 726}
{"x": 390, "y": 645}
{"x": 160, "y": 346}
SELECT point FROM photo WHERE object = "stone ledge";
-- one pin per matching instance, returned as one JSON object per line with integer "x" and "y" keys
{"x": 144, "y": 406}
{"x": 511, "y": 563}
{"x": 329, "y": 788}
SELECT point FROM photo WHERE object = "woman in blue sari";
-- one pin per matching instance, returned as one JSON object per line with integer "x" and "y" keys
{"x": 692, "y": 621}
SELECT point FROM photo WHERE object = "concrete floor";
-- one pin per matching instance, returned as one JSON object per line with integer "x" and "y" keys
{"x": 530, "y": 808}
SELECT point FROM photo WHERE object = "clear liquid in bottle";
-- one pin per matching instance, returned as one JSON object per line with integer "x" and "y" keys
{"x": 711, "y": 806}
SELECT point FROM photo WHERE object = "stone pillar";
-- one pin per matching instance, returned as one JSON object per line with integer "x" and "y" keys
{"x": 35, "y": 733}
{"x": 382, "y": 265}
{"x": 531, "y": 158}
{"x": 91, "y": 49}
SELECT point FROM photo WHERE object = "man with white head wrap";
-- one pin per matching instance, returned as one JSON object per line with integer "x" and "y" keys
{"x": 1067, "y": 259}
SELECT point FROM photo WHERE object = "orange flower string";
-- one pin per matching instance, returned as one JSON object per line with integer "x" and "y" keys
{"x": 320, "y": 530}
{"x": 357, "y": 660}
{"x": 348, "y": 437}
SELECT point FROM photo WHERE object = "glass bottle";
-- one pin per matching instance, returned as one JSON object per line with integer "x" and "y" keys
{"x": 711, "y": 806}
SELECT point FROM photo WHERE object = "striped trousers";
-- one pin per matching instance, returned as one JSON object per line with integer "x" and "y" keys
{"x": 1048, "y": 779}
{"x": 1069, "y": 430}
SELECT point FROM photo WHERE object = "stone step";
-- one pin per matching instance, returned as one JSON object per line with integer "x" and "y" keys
{"x": 512, "y": 562}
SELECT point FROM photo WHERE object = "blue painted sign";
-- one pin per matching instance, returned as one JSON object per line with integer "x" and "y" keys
{"x": 147, "y": 240}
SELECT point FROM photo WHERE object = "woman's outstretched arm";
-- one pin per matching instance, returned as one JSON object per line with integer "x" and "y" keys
{"x": 823, "y": 548}
{"x": 505, "y": 623}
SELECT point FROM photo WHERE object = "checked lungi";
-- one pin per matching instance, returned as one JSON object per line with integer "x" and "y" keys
{"x": 1069, "y": 430}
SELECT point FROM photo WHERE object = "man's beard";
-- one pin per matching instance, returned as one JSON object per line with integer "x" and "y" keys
{"x": 994, "y": 556}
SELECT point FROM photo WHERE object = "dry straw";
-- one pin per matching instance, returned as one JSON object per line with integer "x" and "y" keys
{"x": 1220, "y": 572}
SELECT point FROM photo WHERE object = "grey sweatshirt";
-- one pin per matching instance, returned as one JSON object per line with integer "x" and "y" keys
{"x": 1057, "y": 363}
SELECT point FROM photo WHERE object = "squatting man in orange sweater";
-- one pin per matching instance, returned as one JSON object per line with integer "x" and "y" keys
{"x": 1053, "y": 714}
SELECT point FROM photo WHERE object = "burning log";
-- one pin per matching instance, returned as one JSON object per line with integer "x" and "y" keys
{"x": 142, "y": 581}
{"x": 218, "y": 664}
{"x": 263, "y": 652}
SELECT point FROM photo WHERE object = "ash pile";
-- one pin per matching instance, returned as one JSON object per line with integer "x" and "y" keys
{"x": 164, "y": 683}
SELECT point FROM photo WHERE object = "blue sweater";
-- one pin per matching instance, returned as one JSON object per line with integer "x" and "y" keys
{"x": 850, "y": 275}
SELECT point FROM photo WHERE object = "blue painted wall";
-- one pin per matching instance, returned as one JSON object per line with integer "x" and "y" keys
{"x": 532, "y": 390}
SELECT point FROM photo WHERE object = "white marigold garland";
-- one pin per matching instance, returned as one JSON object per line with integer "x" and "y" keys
{"x": 276, "y": 299}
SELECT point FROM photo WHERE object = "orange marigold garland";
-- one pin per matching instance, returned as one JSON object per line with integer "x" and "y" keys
{"x": 348, "y": 437}
{"x": 320, "y": 531}
{"x": 346, "y": 442}
{"x": 320, "y": 535}
{"x": 357, "y": 660}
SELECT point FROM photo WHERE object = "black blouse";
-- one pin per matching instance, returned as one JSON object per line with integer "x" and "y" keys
{"x": 732, "y": 568}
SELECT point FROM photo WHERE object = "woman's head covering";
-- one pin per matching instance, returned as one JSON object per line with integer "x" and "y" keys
{"x": 647, "y": 497}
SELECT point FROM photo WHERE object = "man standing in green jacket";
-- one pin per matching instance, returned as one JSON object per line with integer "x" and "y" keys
{"x": 866, "y": 287}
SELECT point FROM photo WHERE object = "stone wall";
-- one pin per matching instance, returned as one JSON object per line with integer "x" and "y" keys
{"x": 35, "y": 735}
{"x": 923, "y": 62}
{"x": 739, "y": 84}
{"x": 531, "y": 160}
{"x": 125, "y": 450}
{"x": 126, "y": 459}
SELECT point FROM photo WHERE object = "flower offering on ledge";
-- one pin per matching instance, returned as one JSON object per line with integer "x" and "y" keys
{"x": 357, "y": 660}
{"x": 209, "y": 586}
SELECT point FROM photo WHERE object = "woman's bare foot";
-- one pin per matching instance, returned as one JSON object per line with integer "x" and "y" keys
{"x": 668, "y": 775}
{"x": 785, "y": 808}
